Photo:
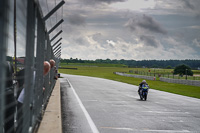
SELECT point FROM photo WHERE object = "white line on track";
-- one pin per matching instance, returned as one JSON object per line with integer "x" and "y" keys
{"x": 89, "y": 119}
{"x": 148, "y": 130}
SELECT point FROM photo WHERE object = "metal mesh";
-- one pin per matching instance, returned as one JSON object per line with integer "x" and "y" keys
{"x": 33, "y": 47}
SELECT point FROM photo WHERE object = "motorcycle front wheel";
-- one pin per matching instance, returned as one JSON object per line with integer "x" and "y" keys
{"x": 145, "y": 97}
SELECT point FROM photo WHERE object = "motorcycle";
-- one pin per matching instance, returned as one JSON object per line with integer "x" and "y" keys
{"x": 143, "y": 92}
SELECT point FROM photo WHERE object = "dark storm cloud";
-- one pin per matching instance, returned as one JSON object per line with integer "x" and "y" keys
{"x": 150, "y": 24}
{"x": 76, "y": 19}
{"x": 145, "y": 23}
{"x": 149, "y": 40}
{"x": 188, "y": 4}
{"x": 97, "y": 37}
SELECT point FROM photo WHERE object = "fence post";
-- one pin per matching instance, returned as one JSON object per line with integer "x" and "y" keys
{"x": 29, "y": 63}
{"x": 39, "y": 65}
{"x": 3, "y": 48}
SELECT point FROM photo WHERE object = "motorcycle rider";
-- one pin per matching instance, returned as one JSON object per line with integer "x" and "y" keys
{"x": 140, "y": 85}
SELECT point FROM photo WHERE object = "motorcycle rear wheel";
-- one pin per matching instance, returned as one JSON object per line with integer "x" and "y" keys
{"x": 141, "y": 98}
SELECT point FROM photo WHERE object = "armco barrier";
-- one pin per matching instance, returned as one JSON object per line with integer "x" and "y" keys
{"x": 169, "y": 80}
{"x": 135, "y": 76}
{"x": 181, "y": 81}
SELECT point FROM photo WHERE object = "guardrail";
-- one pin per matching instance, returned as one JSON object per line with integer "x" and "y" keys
{"x": 169, "y": 80}
{"x": 181, "y": 81}
{"x": 25, "y": 45}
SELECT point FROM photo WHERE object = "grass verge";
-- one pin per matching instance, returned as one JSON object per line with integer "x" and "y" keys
{"x": 107, "y": 73}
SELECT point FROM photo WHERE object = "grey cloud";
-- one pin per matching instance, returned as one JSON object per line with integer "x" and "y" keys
{"x": 196, "y": 41}
{"x": 150, "y": 24}
{"x": 80, "y": 41}
{"x": 197, "y": 16}
{"x": 110, "y": 1}
{"x": 149, "y": 40}
{"x": 145, "y": 23}
{"x": 188, "y": 4}
{"x": 102, "y": 1}
{"x": 124, "y": 50}
{"x": 76, "y": 19}
{"x": 98, "y": 37}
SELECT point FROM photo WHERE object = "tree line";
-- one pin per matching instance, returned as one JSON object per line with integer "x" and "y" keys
{"x": 194, "y": 64}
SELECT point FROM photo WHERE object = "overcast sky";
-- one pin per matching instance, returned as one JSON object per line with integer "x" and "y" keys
{"x": 129, "y": 29}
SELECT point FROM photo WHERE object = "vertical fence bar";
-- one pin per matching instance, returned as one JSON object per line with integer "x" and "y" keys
{"x": 29, "y": 63}
{"x": 52, "y": 80}
{"x": 3, "y": 42}
{"x": 38, "y": 89}
{"x": 47, "y": 77}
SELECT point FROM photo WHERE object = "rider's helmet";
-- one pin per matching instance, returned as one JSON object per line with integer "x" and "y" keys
{"x": 144, "y": 81}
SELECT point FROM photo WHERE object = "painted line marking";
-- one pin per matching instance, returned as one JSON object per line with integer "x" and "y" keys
{"x": 167, "y": 112}
{"x": 169, "y": 131}
{"x": 89, "y": 119}
{"x": 146, "y": 130}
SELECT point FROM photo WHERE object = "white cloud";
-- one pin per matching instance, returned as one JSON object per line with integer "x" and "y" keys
{"x": 135, "y": 5}
{"x": 111, "y": 43}
{"x": 196, "y": 42}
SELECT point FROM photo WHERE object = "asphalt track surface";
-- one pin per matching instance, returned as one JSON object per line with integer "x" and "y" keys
{"x": 95, "y": 105}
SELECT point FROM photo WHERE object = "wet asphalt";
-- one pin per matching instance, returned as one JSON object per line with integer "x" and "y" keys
{"x": 95, "y": 105}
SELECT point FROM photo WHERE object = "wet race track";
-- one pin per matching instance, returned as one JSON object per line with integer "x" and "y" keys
{"x": 95, "y": 105}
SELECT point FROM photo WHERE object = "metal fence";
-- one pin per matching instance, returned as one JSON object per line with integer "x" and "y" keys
{"x": 25, "y": 44}
{"x": 181, "y": 81}
{"x": 165, "y": 75}
{"x": 169, "y": 80}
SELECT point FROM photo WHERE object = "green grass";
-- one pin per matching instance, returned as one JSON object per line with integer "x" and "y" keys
{"x": 107, "y": 73}
{"x": 92, "y": 64}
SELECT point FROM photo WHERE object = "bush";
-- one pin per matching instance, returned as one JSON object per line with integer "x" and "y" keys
{"x": 183, "y": 70}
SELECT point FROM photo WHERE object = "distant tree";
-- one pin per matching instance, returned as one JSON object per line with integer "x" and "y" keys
{"x": 183, "y": 70}
{"x": 133, "y": 63}
{"x": 155, "y": 66}
{"x": 169, "y": 67}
